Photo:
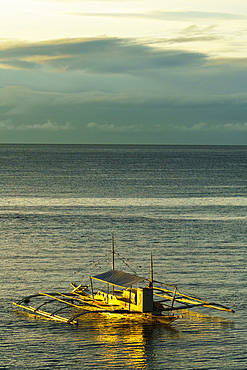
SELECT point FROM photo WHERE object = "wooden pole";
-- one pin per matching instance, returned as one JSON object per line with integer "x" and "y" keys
{"x": 174, "y": 296}
{"x": 91, "y": 283}
{"x": 113, "y": 252}
{"x": 113, "y": 258}
{"x": 151, "y": 270}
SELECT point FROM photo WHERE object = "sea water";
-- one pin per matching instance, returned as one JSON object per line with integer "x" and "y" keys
{"x": 60, "y": 205}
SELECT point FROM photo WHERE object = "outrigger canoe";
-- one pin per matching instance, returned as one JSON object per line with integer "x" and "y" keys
{"x": 124, "y": 295}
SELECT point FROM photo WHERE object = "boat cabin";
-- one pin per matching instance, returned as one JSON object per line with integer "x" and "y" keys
{"x": 120, "y": 293}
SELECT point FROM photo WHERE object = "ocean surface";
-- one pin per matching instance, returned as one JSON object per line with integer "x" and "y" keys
{"x": 60, "y": 205}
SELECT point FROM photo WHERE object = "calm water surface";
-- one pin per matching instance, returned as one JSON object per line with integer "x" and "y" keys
{"x": 59, "y": 206}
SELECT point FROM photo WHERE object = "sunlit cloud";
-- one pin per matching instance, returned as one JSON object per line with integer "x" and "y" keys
{"x": 103, "y": 55}
{"x": 181, "y": 15}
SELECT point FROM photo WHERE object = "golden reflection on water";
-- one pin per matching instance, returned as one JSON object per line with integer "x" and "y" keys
{"x": 131, "y": 341}
{"x": 135, "y": 344}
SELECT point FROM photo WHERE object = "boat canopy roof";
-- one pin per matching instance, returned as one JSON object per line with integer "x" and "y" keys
{"x": 119, "y": 278}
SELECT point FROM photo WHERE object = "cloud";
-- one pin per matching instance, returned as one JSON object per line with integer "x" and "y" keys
{"x": 195, "y": 33}
{"x": 164, "y": 15}
{"x": 113, "y": 127}
{"x": 7, "y": 125}
{"x": 112, "y": 56}
{"x": 185, "y": 15}
{"x": 230, "y": 61}
{"x": 186, "y": 39}
{"x": 49, "y": 125}
{"x": 154, "y": 127}
{"x": 207, "y": 127}
{"x": 130, "y": 117}
{"x": 121, "y": 90}
{"x": 100, "y": 55}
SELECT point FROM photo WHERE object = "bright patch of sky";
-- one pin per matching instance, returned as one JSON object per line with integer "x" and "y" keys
{"x": 151, "y": 19}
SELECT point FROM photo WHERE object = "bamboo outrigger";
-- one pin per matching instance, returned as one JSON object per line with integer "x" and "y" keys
{"x": 125, "y": 296}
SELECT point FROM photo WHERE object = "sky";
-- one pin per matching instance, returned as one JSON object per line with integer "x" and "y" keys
{"x": 123, "y": 72}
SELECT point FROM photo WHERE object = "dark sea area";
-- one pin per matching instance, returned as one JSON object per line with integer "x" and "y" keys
{"x": 60, "y": 205}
